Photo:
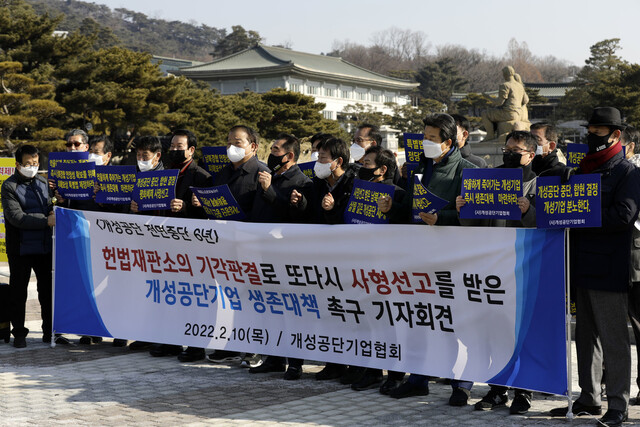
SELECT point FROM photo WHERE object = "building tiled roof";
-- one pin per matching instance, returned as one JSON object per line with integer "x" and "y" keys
{"x": 267, "y": 58}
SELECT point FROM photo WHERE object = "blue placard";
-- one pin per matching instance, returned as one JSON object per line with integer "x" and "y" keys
{"x": 154, "y": 190}
{"x": 115, "y": 184}
{"x": 424, "y": 200}
{"x": 214, "y": 158}
{"x": 575, "y": 153}
{"x": 363, "y": 207}
{"x": 219, "y": 203}
{"x": 573, "y": 204}
{"x": 76, "y": 181}
{"x": 307, "y": 169}
{"x": 491, "y": 193}
{"x": 412, "y": 149}
{"x": 56, "y": 158}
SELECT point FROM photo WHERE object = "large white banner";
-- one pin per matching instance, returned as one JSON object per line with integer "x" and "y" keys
{"x": 465, "y": 303}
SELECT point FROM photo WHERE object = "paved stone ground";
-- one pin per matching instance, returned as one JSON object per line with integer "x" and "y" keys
{"x": 103, "y": 385}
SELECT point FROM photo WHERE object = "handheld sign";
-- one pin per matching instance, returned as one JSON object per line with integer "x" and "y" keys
{"x": 155, "y": 189}
{"x": 115, "y": 184}
{"x": 76, "y": 181}
{"x": 412, "y": 150}
{"x": 573, "y": 204}
{"x": 363, "y": 207}
{"x": 307, "y": 169}
{"x": 57, "y": 158}
{"x": 424, "y": 200}
{"x": 215, "y": 158}
{"x": 491, "y": 193}
{"x": 219, "y": 203}
{"x": 575, "y": 153}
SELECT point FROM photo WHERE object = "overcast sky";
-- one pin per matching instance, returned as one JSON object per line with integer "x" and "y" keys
{"x": 562, "y": 28}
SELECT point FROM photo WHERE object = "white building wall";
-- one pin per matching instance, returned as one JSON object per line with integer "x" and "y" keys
{"x": 335, "y": 96}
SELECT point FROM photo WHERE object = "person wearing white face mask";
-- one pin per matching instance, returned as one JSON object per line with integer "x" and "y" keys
{"x": 28, "y": 215}
{"x": 241, "y": 175}
{"x": 148, "y": 158}
{"x": 547, "y": 154}
{"x": 440, "y": 168}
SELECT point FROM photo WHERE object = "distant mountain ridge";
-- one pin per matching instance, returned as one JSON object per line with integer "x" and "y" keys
{"x": 134, "y": 30}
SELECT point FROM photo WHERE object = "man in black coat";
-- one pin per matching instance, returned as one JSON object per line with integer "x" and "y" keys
{"x": 272, "y": 205}
{"x": 28, "y": 215}
{"x": 547, "y": 152}
{"x": 180, "y": 156}
{"x": 463, "y": 126}
{"x": 600, "y": 267}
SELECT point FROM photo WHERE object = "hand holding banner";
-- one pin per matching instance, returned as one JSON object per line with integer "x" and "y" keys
{"x": 362, "y": 207}
{"x": 219, "y": 203}
{"x": 155, "y": 189}
{"x": 491, "y": 193}
{"x": 574, "y": 204}
{"x": 116, "y": 184}
{"x": 424, "y": 201}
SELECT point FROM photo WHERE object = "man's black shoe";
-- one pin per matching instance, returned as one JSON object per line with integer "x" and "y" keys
{"x": 162, "y": 350}
{"x": 614, "y": 418}
{"x": 366, "y": 382}
{"x": 521, "y": 404}
{"x": 267, "y": 367}
{"x": 408, "y": 389}
{"x": 191, "y": 354}
{"x": 331, "y": 372}
{"x": 459, "y": 397}
{"x": 61, "y": 340}
{"x": 119, "y": 342}
{"x": 139, "y": 345}
{"x": 492, "y": 400}
{"x": 293, "y": 373}
{"x": 388, "y": 385}
{"x": 353, "y": 375}
{"x": 19, "y": 342}
{"x": 5, "y": 334}
{"x": 637, "y": 401}
{"x": 577, "y": 409}
{"x": 224, "y": 356}
{"x": 85, "y": 340}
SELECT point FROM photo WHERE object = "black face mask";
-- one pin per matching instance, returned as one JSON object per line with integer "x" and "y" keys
{"x": 275, "y": 162}
{"x": 598, "y": 143}
{"x": 511, "y": 159}
{"x": 177, "y": 157}
{"x": 367, "y": 174}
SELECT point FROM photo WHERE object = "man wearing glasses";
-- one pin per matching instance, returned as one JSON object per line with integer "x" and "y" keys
{"x": 77, "y": 140}
{"x": 28, "y": 215}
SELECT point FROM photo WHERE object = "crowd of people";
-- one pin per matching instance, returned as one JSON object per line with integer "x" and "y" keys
{"x": 604, "y": 265}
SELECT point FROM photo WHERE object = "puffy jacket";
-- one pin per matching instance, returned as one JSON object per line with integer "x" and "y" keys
{"x": 26, "y": 203}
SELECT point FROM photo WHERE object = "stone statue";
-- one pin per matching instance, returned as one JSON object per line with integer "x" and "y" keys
{"x": 510, "y": 112}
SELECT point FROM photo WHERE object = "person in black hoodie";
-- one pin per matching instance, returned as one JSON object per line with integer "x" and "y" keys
{"x": 546, "y": 152}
